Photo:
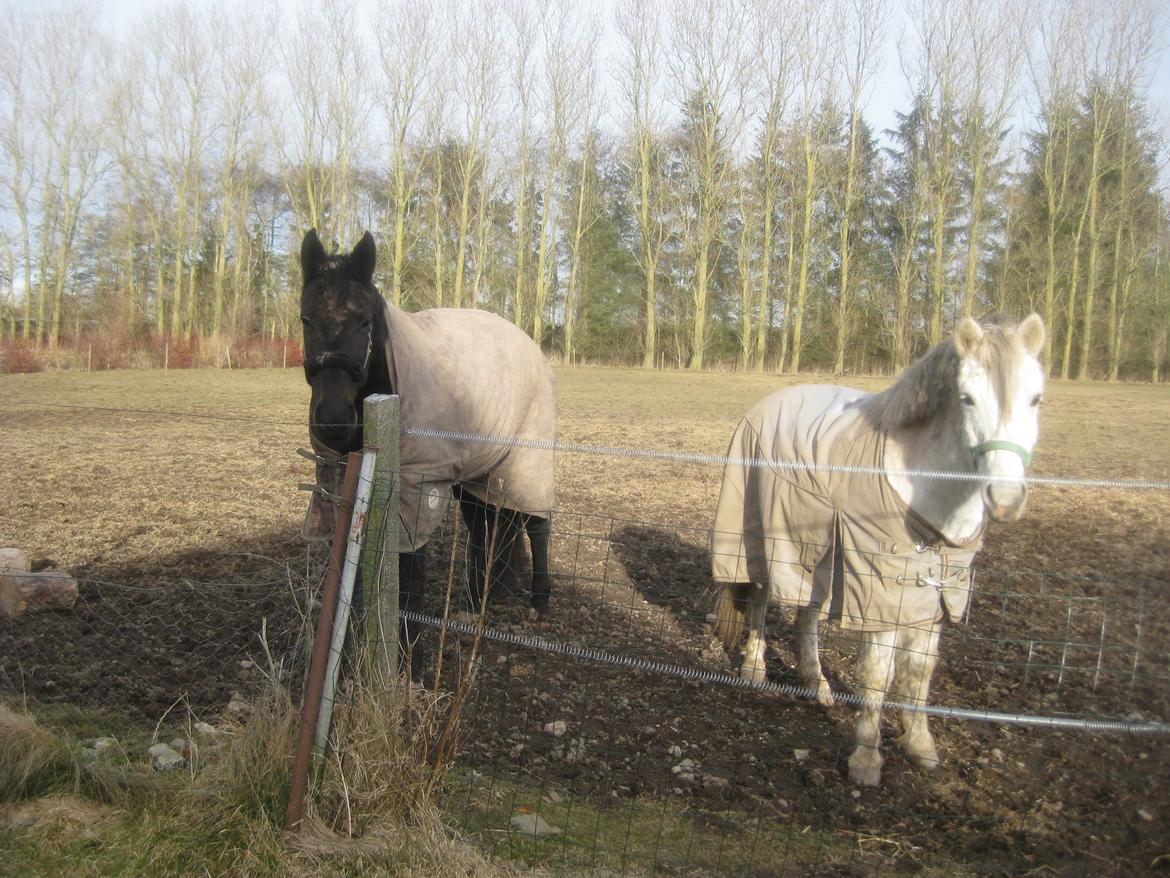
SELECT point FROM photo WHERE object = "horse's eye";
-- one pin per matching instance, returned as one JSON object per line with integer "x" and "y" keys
{"x": 366, "y": 323}
{"x": 966, "y": 400}
{"x": 1036, "y": 400}
{"x": 304, "y": 321}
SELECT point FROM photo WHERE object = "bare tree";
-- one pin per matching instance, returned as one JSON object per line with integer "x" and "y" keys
{"x": 816, "y": 49}
{"x": 639, "y": 24}
{"x": 776, "y": 36}
{"x": 582, "y": 212}
{"x": 937, "y": 73}
{"x": 524, "y": 46}
{"x": 18, "y": 140}
{"x": 242, "y": 56}
{"x": 996, "y": 34}
{"x": 866, "y": 19}
{"x": 711, "y": 62}
{"x": 570, "y": 43}
{"x": 409, "y": 36}
{"x": 330, "y": 103}
{"x": 66, "y": 55}
{"x": 1055, "y": 79}
{"x": 478, "y": 47}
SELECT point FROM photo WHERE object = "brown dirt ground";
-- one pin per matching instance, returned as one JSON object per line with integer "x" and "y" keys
{"x": 183, "y": 530}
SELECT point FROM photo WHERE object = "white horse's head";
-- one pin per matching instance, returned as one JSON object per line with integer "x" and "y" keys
{"x": 1001, "y": 386}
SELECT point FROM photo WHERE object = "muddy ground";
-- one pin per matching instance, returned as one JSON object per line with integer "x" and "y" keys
{"x": 182, "y": 529}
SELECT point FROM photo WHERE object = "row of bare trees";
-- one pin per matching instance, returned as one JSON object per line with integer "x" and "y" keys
{"x": 678, "y": 184}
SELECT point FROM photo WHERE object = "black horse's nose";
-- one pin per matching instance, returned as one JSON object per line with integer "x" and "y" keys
{"x": 334, "y": 420}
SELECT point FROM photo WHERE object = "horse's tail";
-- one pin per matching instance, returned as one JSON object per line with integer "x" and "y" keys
{"x": 730, "y": 601}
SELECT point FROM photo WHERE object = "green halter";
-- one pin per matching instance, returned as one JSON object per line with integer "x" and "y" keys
{"x": 1003, "y": 445}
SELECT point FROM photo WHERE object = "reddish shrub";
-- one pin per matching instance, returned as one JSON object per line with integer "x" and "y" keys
{"x": 18, "y": 356}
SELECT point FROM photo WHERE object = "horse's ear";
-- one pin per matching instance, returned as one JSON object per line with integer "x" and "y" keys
{"x": 967, "y": 336}
{"x": 362, "y": 260}
{"x": 1032, "y": 334}
{"x": 312, "y": 255}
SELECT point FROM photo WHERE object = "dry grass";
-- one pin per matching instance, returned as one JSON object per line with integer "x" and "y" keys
{"x": 372, "y": 812}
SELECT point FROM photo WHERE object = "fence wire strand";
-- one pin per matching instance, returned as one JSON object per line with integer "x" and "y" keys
{"x": 618, "y": 451}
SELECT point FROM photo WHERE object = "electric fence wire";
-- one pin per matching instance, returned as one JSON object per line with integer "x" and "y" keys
{"x": 618, "y": 451}
{"x": 722, "y": 678}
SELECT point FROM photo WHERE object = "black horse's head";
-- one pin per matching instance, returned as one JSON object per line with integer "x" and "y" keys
{"x": 344, "y": 333}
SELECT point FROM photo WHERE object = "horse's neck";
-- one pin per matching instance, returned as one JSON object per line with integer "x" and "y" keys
{"x": 379, "y": 378}
{"x": 953, "y": 507}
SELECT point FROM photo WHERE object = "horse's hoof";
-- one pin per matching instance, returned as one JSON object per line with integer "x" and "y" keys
{"x": 926, "y": 759}
{"x": 865, "y": 767}
{"x": 825, "y": 696}
{"x": 754, "y": 674}
{"x": 920, "y": 750}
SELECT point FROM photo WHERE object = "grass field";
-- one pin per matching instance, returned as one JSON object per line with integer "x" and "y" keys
{"x": 189, "y": 479}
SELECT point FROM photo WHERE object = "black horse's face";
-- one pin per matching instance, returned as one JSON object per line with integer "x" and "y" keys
{"x": 338, "y": 303}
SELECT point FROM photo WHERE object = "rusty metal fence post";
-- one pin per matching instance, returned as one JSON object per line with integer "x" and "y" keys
{"x": 312, "y": 698}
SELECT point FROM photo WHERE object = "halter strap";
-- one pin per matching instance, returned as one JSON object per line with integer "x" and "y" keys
{"x": 359, "y": 372}
{"x": 1003, "y": 445}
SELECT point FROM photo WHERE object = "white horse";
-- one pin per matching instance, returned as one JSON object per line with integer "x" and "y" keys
{"x": 846, "y": 518}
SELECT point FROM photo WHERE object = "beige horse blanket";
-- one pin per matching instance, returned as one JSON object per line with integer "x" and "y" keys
{"x": 465, "y": 371}
{"x": 822, "y": 535}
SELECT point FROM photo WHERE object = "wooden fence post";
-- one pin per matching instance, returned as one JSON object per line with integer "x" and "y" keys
{"x": 381, "y": 431}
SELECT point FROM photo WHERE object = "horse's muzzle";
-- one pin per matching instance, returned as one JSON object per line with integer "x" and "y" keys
{"x": 336, "y": 425}
{"x": 1005, "y": 501}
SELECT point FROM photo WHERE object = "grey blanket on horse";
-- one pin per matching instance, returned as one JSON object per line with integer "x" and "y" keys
{"x": 830, "y": 531}
{"x": 465, "y": 371}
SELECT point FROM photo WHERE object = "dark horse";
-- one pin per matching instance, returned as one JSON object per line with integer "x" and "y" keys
{"x": 458, "y": 370}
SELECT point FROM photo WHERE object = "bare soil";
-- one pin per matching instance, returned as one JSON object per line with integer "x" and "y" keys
{"x": 183, "y": 531}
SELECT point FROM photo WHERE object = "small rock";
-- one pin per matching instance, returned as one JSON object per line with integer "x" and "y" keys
{"x": 502, "y": 660}
{"x": 165, "y": 758}
{"x": 1145, "y": 815}
{"x": 710, "y": 618}
{"x": 576, "y": 751}
{"x": 246, "y": 665}
{"x": 88, "y": 754}
{"x": 516, "y": 751}
{"x": 534, "y": 825}
{"x": 715, "y": 784}
{"x": 553, "y": 796}
{"x": 983, "y": 760}
{"x": 557, "y": 728}
{"x": 238, "y": 705}
{"x": 207, "y": 730}
{"x": 800, "y": 755}
{"x": 855, "y": 793}
{"x": 180, "y": 744}
{"x": 996, "y": 755}
{"x": 101, "y": 745}
{"x": 675, "y": 751}
{"x": 783, "y": 804}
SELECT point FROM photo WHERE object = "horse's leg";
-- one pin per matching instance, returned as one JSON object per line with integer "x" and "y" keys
{"x": 808, "y": 658}
{"x": 539, "y": 532}
{"x": 476, "y": 516}
{"x": 914, "y": 665}
{"x": 753, "y": 667}
{"x": 411, "y": 581}
{"x": 875, "y": 669}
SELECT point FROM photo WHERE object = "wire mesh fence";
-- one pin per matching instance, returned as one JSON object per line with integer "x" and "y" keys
{"x": 616, "y": 722}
